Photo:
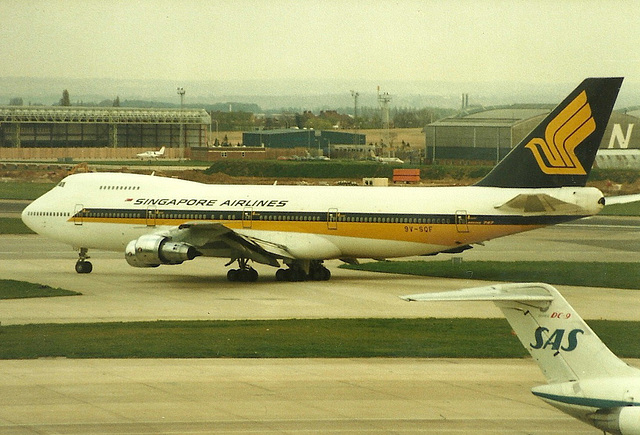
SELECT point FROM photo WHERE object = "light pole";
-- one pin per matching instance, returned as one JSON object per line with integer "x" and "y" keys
{"x": 355, "y": 96}
{"x": 216, "y": 121}
{"x": 181, "y": 92}
{"x": 383, "y": 100}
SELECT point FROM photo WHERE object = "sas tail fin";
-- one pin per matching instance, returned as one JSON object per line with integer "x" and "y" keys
{"x": 557, "y": 338}
{"x": 561, "y": 149}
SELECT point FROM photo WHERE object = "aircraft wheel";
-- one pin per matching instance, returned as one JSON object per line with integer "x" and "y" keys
{"x": 291, "y": 275}
{"x": 242, "y": 275}
{"x": 84, "y": 267}
{"x": 232, "y": 275}
{"x": 316, "y": 274}
{"x": 297, "y": 275}
{"x": 247, "y": 275}
{"x": 320, "y": 273}
{"x": 282, "y": 275}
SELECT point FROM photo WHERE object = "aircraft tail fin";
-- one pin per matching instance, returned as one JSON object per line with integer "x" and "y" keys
{"x": 161, "y": 152}
{"x": 561, "y": 150}
{"x": 563, "y": 345}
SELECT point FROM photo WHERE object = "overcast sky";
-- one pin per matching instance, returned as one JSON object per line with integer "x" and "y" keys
{"x": 526, "y": 41}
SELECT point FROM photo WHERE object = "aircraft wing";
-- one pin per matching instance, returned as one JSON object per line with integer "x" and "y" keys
{"x": 534, "y": 292}
{"x": 622, "y": 199}
{"x": 206, "y": 235}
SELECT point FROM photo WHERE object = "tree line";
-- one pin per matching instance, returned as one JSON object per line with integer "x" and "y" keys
{"x": 247, "y": 116}
{"x": 368, "y": 118}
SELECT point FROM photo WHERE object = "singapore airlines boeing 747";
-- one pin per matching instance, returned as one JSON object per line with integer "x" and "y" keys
{"x": 155, "y": 220}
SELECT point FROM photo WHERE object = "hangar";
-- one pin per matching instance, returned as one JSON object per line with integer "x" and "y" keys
{"x": 60, "y": 130}
{"x": 490, "y": 133}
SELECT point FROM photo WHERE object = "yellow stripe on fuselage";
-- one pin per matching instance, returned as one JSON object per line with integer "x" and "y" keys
{"x": 436, "y": 234}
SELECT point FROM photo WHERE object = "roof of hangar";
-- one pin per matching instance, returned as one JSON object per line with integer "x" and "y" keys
{"x": 102, "y": 115}
{"x": 501, "y": 116}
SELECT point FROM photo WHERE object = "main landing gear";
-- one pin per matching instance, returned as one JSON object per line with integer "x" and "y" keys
{"x": 245, "y": 273}
{"x": 82, "y": 265}
{"x": 296, "y": 272}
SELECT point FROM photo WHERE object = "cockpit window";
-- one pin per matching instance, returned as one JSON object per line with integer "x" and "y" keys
{"x": 61, "y": 184}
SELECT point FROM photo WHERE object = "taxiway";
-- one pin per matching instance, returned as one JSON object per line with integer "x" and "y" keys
{"x": 277, "y": 396}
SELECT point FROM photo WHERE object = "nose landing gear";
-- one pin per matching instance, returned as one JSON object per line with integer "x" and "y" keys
{"x": 82, "y": 265}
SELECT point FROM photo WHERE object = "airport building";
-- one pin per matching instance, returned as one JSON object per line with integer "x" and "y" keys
{"x": 490, "y": 133}
{"x": 101, "y": 132}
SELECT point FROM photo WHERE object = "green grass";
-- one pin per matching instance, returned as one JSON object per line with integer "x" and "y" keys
{"x": 323, "y": 338}
{"x": 347, "y": 169}
{"x": 630, "y": 209}
{"x": 23, "y": 190}
{"x": 10, "y": 289}
{"x": 609, "y": 274}
{"x": 13, "y": 226}
{"x": 301, "y": 169}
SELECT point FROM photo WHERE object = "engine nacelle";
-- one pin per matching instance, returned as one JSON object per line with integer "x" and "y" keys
{"x": 152, "y": 250}
{"x": 629, "y": 420}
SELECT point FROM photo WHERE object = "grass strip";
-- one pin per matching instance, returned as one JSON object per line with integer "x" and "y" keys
{"x": 24, "y": 190}
{"x": 10, "y": 289}
{"x": 14, "y": 226}
{"x": 347, "y": 169}
{"x": 629, "y": 209}
{"x": 612, "y": 275}
{"x": 321, "y": 338}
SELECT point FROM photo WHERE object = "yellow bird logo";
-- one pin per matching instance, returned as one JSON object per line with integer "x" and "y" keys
{"x": 555, "y": 153}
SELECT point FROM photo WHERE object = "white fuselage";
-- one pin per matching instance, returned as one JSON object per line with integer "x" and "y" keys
{"x": 611, "y": 404}
{"x": 108, "y": 210}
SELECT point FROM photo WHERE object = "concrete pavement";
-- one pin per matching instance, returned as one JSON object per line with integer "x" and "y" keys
{"x": 341, "y": 396}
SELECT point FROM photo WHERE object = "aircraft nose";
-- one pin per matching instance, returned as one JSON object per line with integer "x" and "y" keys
{"x": 27, "y": 216}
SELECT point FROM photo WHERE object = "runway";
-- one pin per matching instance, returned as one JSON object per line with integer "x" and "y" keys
{"x": 284, "y": 396}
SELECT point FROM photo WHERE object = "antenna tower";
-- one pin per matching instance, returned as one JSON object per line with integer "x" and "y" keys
{"x": 355, "y": 96}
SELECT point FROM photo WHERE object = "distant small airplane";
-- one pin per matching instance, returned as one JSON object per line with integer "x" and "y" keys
{"x": 152, "y": 154}
{"x": 585, "y": 379}
{"x": 385, "y": 159}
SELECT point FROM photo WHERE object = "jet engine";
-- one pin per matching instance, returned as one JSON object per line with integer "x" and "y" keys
{"x": 153, "y": 250}
{"x": 629, "y": 420}
{"x": 620, "y": 421}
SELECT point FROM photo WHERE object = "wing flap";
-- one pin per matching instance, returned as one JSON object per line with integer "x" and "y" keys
{"x": 537, "y": 203}
{"x": 262, "y": 251}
